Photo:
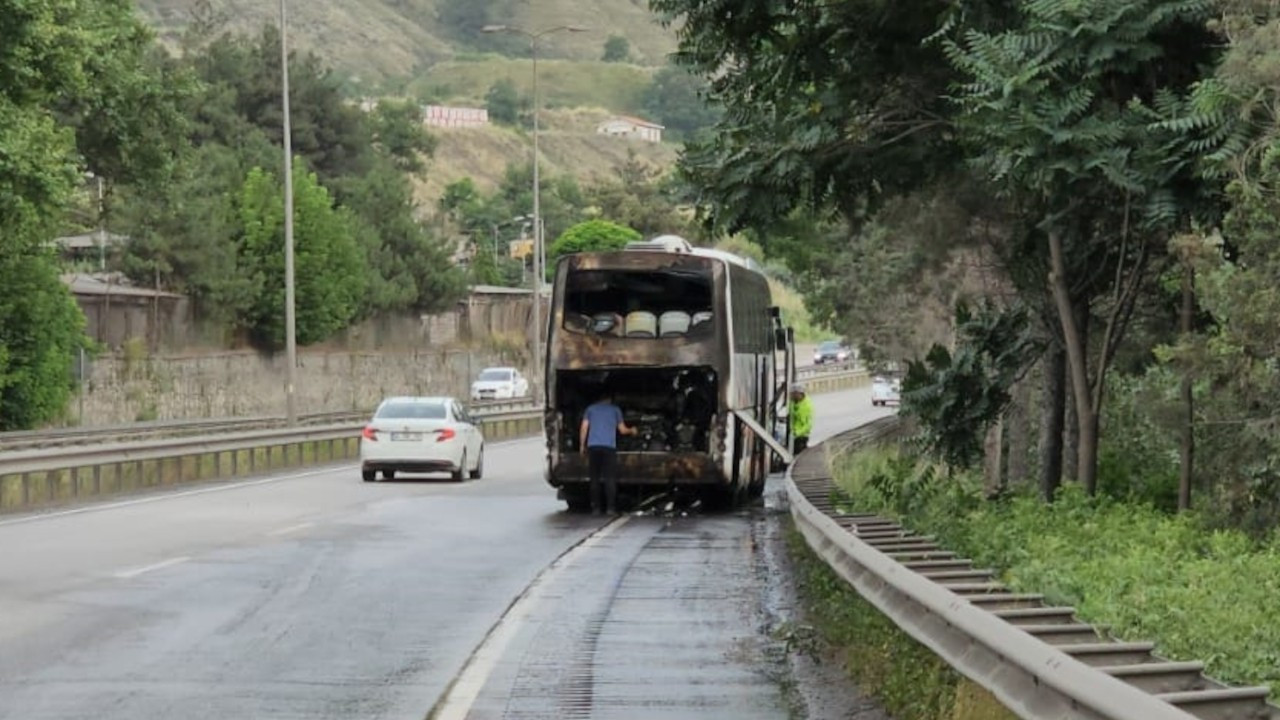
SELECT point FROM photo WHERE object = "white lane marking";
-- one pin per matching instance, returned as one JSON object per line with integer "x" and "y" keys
{"x": 126, "y": 574}
{"x": 98, "y": 507}
{"x": 466, "y": 687}
{"x": 291, "y": 529}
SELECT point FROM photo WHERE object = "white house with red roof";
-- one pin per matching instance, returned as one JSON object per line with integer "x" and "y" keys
{"x": 631, "y": 127}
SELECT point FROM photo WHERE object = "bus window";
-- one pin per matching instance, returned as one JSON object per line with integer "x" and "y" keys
{"x": 639, "y": 303}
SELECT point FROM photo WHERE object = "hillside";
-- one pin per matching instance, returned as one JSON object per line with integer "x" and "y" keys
{"x": 375, "y": 39}
{"x": 569, "y": 146}
{"x": 620, "y": 87}
{"x": 421, "y": 49}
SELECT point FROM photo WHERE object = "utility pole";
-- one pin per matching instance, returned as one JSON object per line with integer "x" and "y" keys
{"x": 102, "y": 228}
{"x": 539, "y": 272}
{"x": 290, "y": 321}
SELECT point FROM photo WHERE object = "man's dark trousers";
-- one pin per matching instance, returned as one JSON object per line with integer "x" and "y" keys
{"x": 602, "y": 468}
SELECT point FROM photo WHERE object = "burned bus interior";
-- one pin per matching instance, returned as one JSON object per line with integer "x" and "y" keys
{"x": 664, "y": 303}
{"x": 671, "y": 407}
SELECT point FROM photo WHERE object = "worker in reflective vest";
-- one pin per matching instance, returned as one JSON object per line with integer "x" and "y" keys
{"x": 801, "y": 417}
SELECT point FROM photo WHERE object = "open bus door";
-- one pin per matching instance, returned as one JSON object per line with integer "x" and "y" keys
{"x": 784, "y": 343}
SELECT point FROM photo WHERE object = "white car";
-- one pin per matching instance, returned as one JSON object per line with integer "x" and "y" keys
{"x": 885, "y": 391}
{"x": 499, "y": 383}
{"x": 421, "y": 434}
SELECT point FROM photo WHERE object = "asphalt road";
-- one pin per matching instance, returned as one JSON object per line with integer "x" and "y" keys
{"x": 316, "y": 595}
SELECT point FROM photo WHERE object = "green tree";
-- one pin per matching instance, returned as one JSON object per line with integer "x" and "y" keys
{"x": 243, "y": 76}
{"x": 503, "y": 102}
{"x": 183, "y": 235}
{"x": 484, "y": 268}
{"x": 1071, "y": 115}
{"x": 409, "y": 267}
{"x": 131, "y": 123}
{"x": 592, "y": 235}
{"x": 825, "y": 105}
{"x": 640, "y": 196}
{"x": 330, "y": 269}
{"x": 55, "y": 56}
{"x": 41, "y": 328}
{"x": 677, "y": 99}
{"x": 616, "y": 49}
{"x": 957, "y": 395}
{"x": 398, "y": 131}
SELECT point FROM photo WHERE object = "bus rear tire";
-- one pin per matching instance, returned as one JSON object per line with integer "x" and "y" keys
{"x": 721, "y": 498}
{"x": 577, "y": 502}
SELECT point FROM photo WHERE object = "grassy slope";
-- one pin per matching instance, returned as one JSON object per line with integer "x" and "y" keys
{"x": 564, "y": 83}
{"x": 569, "y": 145}
{"x": 373, "y": 38}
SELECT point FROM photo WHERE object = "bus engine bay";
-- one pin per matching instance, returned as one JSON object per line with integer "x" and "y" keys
{"x": 672, "y": 408}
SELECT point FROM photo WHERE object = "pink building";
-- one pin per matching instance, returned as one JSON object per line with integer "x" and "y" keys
{"x": 454, "y": 117}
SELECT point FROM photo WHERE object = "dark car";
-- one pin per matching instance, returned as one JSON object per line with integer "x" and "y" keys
{"x": 831, "y": 352}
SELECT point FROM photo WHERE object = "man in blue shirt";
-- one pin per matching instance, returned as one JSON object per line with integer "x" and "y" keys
{"x": 598, "y": 440}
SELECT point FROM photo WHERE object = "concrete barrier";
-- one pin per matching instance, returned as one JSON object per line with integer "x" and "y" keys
{"x": 835, "y": 382}
{"x": 119, "y": 470}
{"x": 42, "y": 479}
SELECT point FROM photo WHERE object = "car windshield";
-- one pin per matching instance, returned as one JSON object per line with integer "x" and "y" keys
{"x": 829, "y": 346}
{"x": 495, "y": 375}
{"x": 431, "y": 410}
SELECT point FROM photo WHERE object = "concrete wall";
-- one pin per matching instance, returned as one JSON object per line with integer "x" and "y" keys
{"x": 128, "y": 387}
{"x": 174, "y": 324}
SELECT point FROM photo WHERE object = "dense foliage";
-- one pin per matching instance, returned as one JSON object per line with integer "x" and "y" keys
{"x": 1104, "y": 166}
{"x": 189, "y": 233}
{"x": 67, "y": 73}
{"x": 589, "y": 236}
{"x": 1200, "y": 594}
{"x": 957, "y": 395}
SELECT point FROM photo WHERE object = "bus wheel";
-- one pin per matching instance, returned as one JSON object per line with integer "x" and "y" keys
{"x": 578, "y": 501}
{"x": 721, "y": 498}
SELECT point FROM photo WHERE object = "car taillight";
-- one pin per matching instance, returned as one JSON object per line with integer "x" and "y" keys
{"x": 445, "y": 434}
{"x": 369, "y": 433}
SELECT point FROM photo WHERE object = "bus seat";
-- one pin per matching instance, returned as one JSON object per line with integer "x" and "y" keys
{"x": 642, "y": 324}
{"x": 700, "y": 317}
{"x": 577, "y": 322}
{"x": 607, "y": 323}
{"x": 672, "y": 323}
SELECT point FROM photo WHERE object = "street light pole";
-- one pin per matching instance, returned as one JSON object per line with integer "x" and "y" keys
{"x": 539, "y": 269}
{"x": 290, "y": 321}
{"x": 102, "y": 228}
{"x": 537, "y": 216}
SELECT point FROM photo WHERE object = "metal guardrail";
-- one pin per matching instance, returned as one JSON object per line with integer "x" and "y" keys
{"x": 807, "y": 371}
{"x": 42, "y": 460}
{"x": 65, "y": 437}
{"x": 1039, "y": 661}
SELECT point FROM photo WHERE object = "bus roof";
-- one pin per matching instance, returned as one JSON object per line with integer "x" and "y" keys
{"x": 678, "y": 245}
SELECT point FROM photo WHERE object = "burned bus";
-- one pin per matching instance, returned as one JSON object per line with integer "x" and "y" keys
{"x": 687, "y": 343}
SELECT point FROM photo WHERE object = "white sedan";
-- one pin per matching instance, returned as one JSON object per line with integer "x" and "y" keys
{"x": 499, "y": 383}
{"x": 421, "y": 434}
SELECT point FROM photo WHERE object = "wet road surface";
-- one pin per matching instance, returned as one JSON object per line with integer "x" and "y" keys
{"x": 316, "y": 595}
